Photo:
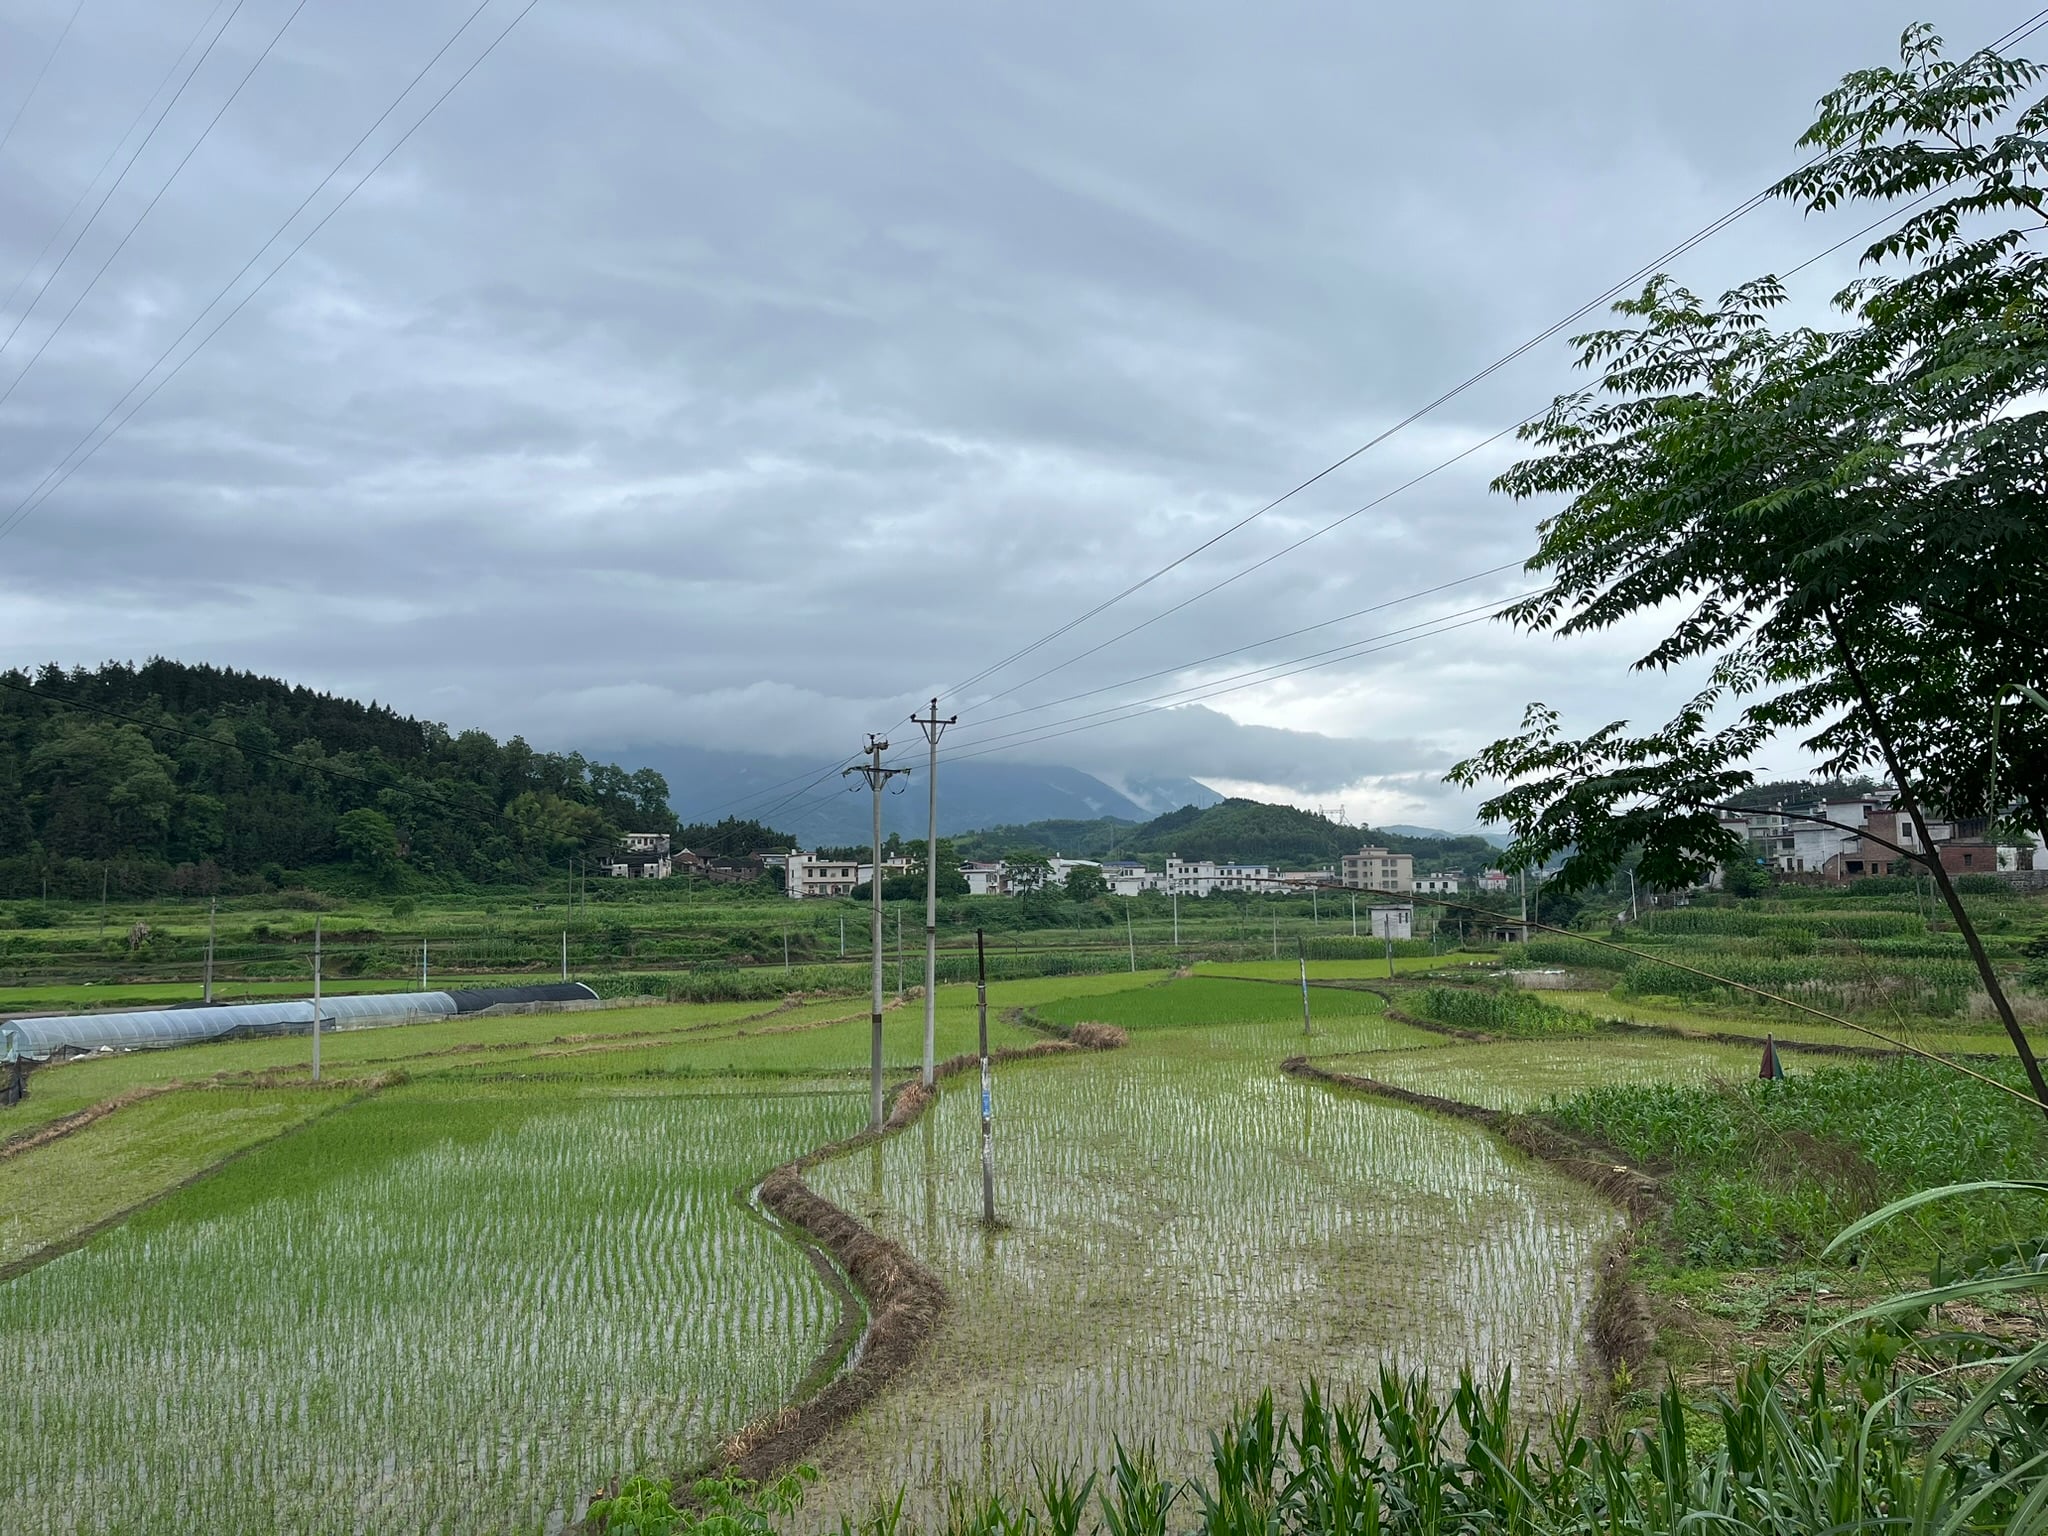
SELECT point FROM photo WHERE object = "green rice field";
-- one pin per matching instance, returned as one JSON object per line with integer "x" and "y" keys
{"x": 439, "y": 1310}
{"x": 493, "y": 1263}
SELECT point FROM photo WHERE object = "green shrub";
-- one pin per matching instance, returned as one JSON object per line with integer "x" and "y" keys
{"x": 33, "y": 914}
{"x": 1979, "y": 885}
{"x": 404, "y": 907}
{"x": 1762, "y": 1171}
{"x": 1502, "y": 1011}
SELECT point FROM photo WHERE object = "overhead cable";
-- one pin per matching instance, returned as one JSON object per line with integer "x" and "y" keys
{"x": 67, "y": 465}
{"x": 150, "y": 207}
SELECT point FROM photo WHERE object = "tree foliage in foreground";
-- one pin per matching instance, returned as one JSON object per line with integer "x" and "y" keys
{"x": 1849, "y": 524}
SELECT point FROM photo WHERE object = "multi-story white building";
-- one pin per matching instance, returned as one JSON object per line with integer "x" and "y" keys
{"x": 1494, "y": 880}
{"x": 1449, "y": 883}
{"x": 642, "y": 855}
{"x": 984, "y": 878}
{"x": 1127, "y": 877}
{"x": 1375, "y": 869}
{"x": 807, "y": 876}
{"x": 1204, "y": 877}
{"x": 891, "y": 868}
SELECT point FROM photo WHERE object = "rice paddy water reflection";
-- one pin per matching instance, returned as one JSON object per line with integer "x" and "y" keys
{"x": 1184, "y": 1228}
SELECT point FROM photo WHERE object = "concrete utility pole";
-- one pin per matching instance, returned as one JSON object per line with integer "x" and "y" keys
{"x": 103, "y": 900}
{"x": 1354, "y": 917}
{"x": 1525, "y": 906}
{"x": 316, "y": 999}
{"x": 933, "y": 728}
{"x": 1176, "y": 917}
{"x": 1306, "y": 1027}
{"x": 565, "y": 954}
{"x": 876, "y": 776}
{"x": 212, "y": 912}
{"x": 423, "y": 965}
{"x": 1131, "y": 934}
{"x": 988, "y": 1136}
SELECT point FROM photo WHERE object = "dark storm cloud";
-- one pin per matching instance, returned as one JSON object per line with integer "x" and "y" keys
{"x": 740, "y": 376}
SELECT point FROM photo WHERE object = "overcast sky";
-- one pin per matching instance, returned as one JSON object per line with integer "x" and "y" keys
{"x": 742, "y": 375}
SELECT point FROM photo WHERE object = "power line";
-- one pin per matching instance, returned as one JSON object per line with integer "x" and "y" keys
{"x": 1255, "y": 676}
{"x": 1888, "y": 216}
{"x": 48, "y": 486}
{"x": 36, "y": 84}
{"x": 1699, "y": 237}
{"x": 1252, "y": 645}
{"x": 113, "y": 150}
{"x": 126, "y": 167}
{"x": 1277, "y": 554}
{"x": 1463, "y": 453}
{"x": 150, "y": 207}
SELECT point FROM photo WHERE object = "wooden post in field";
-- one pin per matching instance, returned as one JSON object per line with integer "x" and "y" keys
{"x": 988, "y": 1135}
{"x": 1306, "y": 1027}
{"x": 212, "y": 912}
{"x": 1131, "y": 934}
{"x": 316, "y": 999}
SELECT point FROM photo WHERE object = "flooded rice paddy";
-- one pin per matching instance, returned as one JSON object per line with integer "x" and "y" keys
{"x": 1184, "y": 1228}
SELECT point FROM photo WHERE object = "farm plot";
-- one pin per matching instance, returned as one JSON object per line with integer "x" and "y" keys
{"x": 453, "y": 1308}
{"x": 1203, "y": 1000}
{"x": 1702, "y": 1018}
{"x": 1526, "y": 1074}
{"x": 1186, "y": 1227}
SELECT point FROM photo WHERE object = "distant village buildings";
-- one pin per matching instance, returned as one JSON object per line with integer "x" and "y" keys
{"x": 1375, "y": 869}
{"x": 643, "y": 856}
{"x": 1835, "y": 841}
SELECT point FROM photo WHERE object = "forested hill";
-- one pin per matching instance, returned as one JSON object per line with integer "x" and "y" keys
{"x": 1235, "y": 831}
{"x": 193, "y": 778}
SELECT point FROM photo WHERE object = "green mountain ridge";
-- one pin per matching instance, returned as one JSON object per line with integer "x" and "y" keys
{"x": 1234, "y": 831}
{"x": 194, "y": 779}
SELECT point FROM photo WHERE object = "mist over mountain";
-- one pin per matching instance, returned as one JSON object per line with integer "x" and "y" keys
{"x": 808, "y": 798}
{"x": 1498, "y": 839}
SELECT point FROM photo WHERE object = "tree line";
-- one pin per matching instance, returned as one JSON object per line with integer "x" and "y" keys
{"x": 169, "y": 777}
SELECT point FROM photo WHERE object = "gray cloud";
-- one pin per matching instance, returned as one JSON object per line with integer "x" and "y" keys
{"x": 741, "y": 377}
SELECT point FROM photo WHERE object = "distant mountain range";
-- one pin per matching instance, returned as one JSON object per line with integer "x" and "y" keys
{"x": 1498, "y": 839}
{"x": 804, "y": 797}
